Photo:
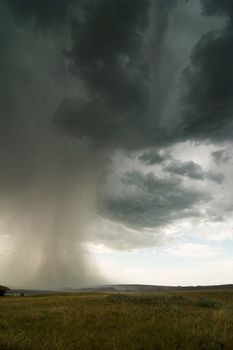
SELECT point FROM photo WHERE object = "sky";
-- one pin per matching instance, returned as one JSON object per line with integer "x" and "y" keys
{"x": 116, "y": 142}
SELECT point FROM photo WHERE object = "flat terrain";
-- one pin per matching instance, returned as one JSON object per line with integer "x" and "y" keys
{"x": 150, "y": 321}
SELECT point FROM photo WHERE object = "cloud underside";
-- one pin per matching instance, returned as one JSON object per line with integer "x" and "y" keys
{"x": 117, "y": 70}
{"x": 114, "y": 54}
{"x": 193, "y": 171}
{"x": 153, "y": 202}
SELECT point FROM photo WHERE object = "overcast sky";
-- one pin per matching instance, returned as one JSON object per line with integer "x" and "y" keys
{"x": 116, "y": 142}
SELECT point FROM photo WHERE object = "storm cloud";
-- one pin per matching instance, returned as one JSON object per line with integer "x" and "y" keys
{"x": 45, "y": 13}
{"x": 119, "y": 59}
{"x": 153, "y": 157}
{"x": 193, "y": 171}
{"x": 218, "y": 7}
{"x": 221, "y": 156}
{"x": 208, "y": 102}
{"x": 151, "y": 201}
{"x": 190, "y": 169}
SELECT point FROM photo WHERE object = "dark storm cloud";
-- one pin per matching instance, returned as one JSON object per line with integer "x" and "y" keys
{"x": 110, "y": 54}
{"x": 218, "y": 7}
{"x": 215, "y": 177}
{"x": 153, "y": 202}
{"x": 45, "y": 13}
{"x": 221, "y": 156}
{"x": 208, "y": 102}
{"x": 153, "y": 157}
{"x": 118, "y": 50}
{"x": 189, "y": 169}
{"x": 107, "y": 54}
{"x": 193, "y": 170}
{"x": 128, "y": 74}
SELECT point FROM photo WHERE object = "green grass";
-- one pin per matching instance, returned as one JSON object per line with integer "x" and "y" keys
{"x": 145, "y": 321}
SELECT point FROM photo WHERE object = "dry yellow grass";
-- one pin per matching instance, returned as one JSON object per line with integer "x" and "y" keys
{"x": 149, "y": 321}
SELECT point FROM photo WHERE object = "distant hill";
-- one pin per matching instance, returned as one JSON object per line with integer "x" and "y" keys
{"x": 114, "y": 288}
{"x": 150, "y": 288}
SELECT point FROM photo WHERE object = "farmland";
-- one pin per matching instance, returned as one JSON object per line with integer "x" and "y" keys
{"x": 191, "y": 320}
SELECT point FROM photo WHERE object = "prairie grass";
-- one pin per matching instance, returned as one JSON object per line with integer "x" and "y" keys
{"x": 125, "y": 321}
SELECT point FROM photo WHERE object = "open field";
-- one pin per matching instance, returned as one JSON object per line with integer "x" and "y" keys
{"x": 150, "y": 321}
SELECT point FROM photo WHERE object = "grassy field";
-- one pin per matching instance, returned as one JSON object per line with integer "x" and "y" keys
{"x": 145, "y": 321}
